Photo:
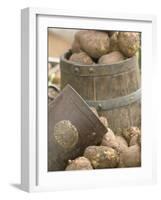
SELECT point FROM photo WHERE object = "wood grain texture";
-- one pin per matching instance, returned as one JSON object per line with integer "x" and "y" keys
{"x": 104, "y": 83}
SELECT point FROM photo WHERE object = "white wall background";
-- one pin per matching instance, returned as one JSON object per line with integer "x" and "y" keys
{"x": 10, "y": 98}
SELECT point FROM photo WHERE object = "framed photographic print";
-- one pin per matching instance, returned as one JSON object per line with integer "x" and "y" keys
{"x": 86, "y": 99}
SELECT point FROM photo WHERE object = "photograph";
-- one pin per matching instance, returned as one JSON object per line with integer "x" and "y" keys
{"x": 94, "y": 99}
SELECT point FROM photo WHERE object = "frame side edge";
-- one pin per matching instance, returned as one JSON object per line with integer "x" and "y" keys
{"x": 25, "y": 99}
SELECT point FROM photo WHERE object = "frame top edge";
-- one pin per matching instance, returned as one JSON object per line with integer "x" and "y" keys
{"x": 91, "y": 14}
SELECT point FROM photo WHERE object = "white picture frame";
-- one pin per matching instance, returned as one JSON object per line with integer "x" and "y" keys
{"x": 34, "y": 24}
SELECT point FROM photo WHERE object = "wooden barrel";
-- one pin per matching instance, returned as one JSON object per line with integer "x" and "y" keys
{"x": 114, "y": 90}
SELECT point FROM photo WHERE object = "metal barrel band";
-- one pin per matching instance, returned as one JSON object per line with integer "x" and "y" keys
{"x": 115, "y": 102}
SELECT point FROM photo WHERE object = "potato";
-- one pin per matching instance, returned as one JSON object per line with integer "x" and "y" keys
{"x": 136, "y": 139}
{"x": 81, "y": 58}
{"x": 102, "y": 157}
{"x": 111, "y": 58}
{"x": 128, "y": 133}
{"x": 108, "y": 137}
{"x": 104, "y": 121}
{"x": 76, "y": 47}
{"x": 131, "y": 157}
{"x": 122, "y": 140}
{"x": 110, "y": 33}
{"x": 94, "y": 43}
{"x": 122, "y": 144}
{"x": 80, "y": 163}
{"x": 114, "y": 42}
{"x": 129, "y": 43}
{"x": 116, "y": 142}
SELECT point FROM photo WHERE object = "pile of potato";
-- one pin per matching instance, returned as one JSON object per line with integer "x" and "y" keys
{"x": 103, "y": 47}
{"x": 115, "y": 151}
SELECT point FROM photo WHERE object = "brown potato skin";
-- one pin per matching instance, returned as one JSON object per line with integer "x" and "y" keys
{"x": 116, "y": 142}
{"x": 81, "y": 58}
{"x": 114, "y": 42}
{"x": 133, "y": 140}
{"x": 111, "y": 58}
{"x": 121, "y": 139}
{"x": 129, "y": 43}
{"x": 80, "y": 163}
{"x": 108, "y": 137}
{"x": 131, "y": 157}
{"x": 136, "y": 139}
{"x": 94, "y": 43}
{"x": 128, "y": 133}
{"x": 110, "y": 33}
{"x": 102, "y": 157}
{"x": 122, "y": 144}
{"x": 76, "y": 47}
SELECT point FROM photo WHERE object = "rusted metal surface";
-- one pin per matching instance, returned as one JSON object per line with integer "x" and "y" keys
{"x": 68, "y": 105}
